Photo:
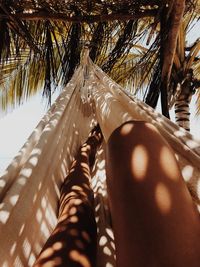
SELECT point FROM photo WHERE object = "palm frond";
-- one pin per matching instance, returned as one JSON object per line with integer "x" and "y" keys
{"x": 194, "y": 52}
{"x": 71, "y": 57}
{"x": 125, "y": 38}
{"x": 41, "y": 42}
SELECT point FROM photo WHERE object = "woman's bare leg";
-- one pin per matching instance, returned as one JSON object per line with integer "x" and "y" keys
{"x": 73, "y": 241}
{"x": 154, "y": 220}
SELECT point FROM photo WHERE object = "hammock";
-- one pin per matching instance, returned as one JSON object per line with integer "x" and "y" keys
{"x": 29, "y": 188}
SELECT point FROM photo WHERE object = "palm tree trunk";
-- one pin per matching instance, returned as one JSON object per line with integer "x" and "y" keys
{"x": 182, "y": 102}
{"x": 182, "y": 112}
{"x": 170, "y": 19}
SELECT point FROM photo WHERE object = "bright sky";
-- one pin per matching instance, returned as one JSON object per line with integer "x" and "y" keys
{"x": 16, "y": 128}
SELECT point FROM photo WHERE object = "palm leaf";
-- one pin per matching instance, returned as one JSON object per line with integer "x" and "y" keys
{"x": 39, "y": 54}
{"x": 193, "y": 54}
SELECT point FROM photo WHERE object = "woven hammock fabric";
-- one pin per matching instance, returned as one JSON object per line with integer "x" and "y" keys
{"x": 29, "y": 189}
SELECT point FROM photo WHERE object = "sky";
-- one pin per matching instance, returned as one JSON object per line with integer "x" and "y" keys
{"x": 16, "y": 126}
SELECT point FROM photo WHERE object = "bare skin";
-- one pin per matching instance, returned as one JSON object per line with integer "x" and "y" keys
{"x": 155, "y": 223}
{"x": 73, "y": 241}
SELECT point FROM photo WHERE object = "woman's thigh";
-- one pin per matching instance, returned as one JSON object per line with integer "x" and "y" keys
{"x": 154, "y": 221}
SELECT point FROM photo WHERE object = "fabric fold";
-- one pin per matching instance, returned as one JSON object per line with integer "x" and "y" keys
{"x": 29, "y": 188}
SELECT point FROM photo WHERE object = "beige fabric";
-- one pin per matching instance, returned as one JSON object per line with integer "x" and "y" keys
{"x": 114, "y": 106}
{"x": 30, "y": 186}
{"x": 29, "y": 189}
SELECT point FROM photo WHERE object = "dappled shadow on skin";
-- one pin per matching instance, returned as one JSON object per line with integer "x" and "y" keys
{"x": 181, "y": 140}
{"x": 184, "y": 145}
{"x": 172, "y": 128}
{"x": 113, "y": 107}
{"x": 110, "y": 100}
{"x": 141, "y": 111}
{"x": 73, "y": 241}
{"x": 152, "y": 211}
{"x": 29, "y": 200}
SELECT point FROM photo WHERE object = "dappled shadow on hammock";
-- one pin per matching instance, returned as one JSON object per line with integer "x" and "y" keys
{"x": 10, "y": 174}
{"x": 105, "y": 236}
{"x": 75, "y": 232}
{"x": 35, "y": 189}
{"x": 191, "y": 176}
{"x": 73, "y": 241}
{"x": 115, "y": 107}
{"x": 140, "y": 109}
{"x": 186, "y": 148}
{"x": 171, "y": 127}
{"x": 27, "y": 217}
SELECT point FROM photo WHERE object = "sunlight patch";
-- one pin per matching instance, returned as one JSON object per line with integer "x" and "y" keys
{"x": 168, "y": 164}
{"x": 80, "y": 258}
{"x": 47, "y": 253}
{"x": 57, "y": 246}
{"x": 126, "y": 129}
{"x": 187, "y": 172}
{"x": 163, "y": 198}
{"x": 103, "y": 240}
{"x": 2, "y": 183}
{"x": 4, "y": 215}
{"x": 139, "y": 162}
{"x": 107, "y": 251}
{"x": 13, "y": 199}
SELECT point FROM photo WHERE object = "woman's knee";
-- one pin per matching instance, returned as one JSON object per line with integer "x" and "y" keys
{"x": 123, "y": 135}
{"x": 131, "y": 134}
{"x": 123, "y": 145}
{"x": 137, "y": 150}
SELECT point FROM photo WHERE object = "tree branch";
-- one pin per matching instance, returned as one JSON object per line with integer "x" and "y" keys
{"x": 78, "y": 19}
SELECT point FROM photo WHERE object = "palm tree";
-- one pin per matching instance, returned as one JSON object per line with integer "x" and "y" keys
{"x": 184, "y": 79}
{"x": 45, "y": 38}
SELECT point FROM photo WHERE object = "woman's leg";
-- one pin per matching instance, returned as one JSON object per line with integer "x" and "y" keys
{"x": 73, "y": 241}
{"x": 154, "y": 220}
